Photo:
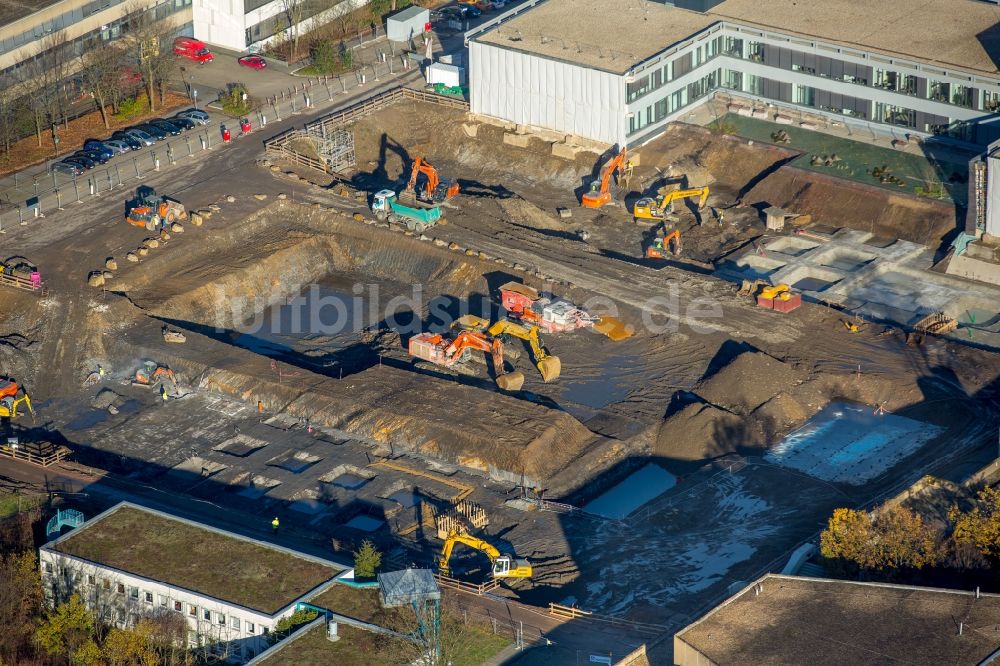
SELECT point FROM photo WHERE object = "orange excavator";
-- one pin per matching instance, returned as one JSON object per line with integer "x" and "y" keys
{"x": 599, "y": 193}
{"x": 659, "y": 247}
{"x": 447, "y": 352}
{"x": 435, "y": 189}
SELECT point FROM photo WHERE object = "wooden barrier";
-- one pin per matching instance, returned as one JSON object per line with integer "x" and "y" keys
{"x": 572, "y": 613}
{"x": 44, "y": 454}
{"x": 472, "y": 588}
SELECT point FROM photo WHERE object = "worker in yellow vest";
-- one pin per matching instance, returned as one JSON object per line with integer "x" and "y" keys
{"x": 274, "y": 525}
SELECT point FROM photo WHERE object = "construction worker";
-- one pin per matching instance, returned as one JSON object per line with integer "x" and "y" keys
{"x": 722, "y": 218}
{"x": 163, "y": 392}
{"x": 274, "y": 525}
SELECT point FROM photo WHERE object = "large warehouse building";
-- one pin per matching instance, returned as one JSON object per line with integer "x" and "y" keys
{"x": 618, "y": 71}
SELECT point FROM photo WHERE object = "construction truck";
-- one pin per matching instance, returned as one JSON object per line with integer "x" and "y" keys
{"x": 650, "y": 208}
{"x": 599, "y": 191}
{"x": 386, "y": 206}
{"x": 660, "y": 245}
{"x": 12, "y": 396}
{"x": 503, "y": 566}
{"x": 20, "y": 273}
{"x": 451, "y": 351}
{"x": 554, "y": 315}
{"x": 152, "y": 211}
{"x": 435, "y": 190}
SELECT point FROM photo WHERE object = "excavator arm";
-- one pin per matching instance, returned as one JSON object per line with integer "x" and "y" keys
{"x": 550, "y": 367}
{"x": 430, "y": 189}
{"x": 471, "y": 339}
{"x": 504, "y": 566}
{"x": 596, "y": 198}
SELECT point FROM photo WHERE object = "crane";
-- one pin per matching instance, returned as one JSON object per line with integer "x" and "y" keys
{"x": 649, "y": 208}
{"x": 12, "y": 395}
{"x": 435, "y": 190}
{"x": 504, "y": 566}
{"x": 599, "y": 191}
{"x": 549, "y": 366}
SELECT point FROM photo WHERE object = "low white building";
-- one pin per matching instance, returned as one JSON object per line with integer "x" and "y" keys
{"x": 131, "y": 561}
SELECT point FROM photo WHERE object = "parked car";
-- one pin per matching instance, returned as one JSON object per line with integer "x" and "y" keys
{"x": 95, "y": 156}
{"x": 68, "y": 168}
{"x": 468, "y": 11}
{"x": 118, "y": 145}
{"x": 132, "y": 142}
{"x": 152, "y": 131}
{"x": 196, "y": 116}
{"x": 253, "y": 62}
{"x": 183, "y": 123}
{"x": 80, "y": 160}
{"x": 142, "y": 137}
{"x": 192, "y": 49}
{"x": 165, "y": 126}
{"x": 100, "y": 146}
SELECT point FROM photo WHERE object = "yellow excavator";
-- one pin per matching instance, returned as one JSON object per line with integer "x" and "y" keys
{"x": 12, "y": 396}
{"x": 549, "y": 366}
{"x": 649, "y": 208}
{"x": 504, "y": 566}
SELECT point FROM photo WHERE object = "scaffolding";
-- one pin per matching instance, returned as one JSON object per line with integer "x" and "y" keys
{"x": 325, "y": 149}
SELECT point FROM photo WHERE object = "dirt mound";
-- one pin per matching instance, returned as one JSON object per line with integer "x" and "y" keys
{"x": 776, "y": 417}
{"x": 843, "y": 203}
{"x": 747, "y": 382}
{"x": 525, "y": 212}
{"x": 699, "y": 432}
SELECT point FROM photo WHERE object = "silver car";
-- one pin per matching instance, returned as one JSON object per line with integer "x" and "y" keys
{"x": 140, "y": 136}
{"x": 118, "y": 146}
{"x": 194, "y": 115}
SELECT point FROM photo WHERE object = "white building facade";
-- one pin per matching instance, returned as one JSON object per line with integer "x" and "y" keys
{"x": 239, "y": 25}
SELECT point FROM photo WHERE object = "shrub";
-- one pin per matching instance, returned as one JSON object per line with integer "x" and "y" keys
{"x": 295, "y": 619}
{"x": 130, "y": 108}
{"x": 236, "y": 101}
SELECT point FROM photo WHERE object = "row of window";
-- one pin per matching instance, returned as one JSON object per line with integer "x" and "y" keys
{"x": 60, "y": 22}
{"x": 692, "y": 92}
{"x": 814, "y": 65}
{"x": 162, "y": 601}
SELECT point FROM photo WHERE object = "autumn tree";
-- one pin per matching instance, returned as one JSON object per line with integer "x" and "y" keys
{"x": 67, "y": 630}
{"x": 101, "y": 70}
{"x": 20, "y": 601}
{"x": 894, "y": 538}
{"x": 131, "y": 647}
{"x": 980, "y": 526}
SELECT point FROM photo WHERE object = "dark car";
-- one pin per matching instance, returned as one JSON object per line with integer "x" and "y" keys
{"x": 68, "y": 168}
{"x": 168, "y": 127}
{"x": 152, "y": 130}
{"x": 95, "y": 144}
{"x": 183, "y": 123}
{"x": 471, "y": 11}
{"x": 132, "y": 142}
{"x": 80, "y": 160}
{"x": 95, "y": 156}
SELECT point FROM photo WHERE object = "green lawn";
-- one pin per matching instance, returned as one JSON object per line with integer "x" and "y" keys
{"x": 356, "y": 647}
{"x": 857, "y": 159}
{"x": 9, "y": 504}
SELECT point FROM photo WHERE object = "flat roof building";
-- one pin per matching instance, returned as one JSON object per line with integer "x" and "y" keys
{"x": 132, "y": 561}
{"x": 789, "y": 620}
{"x": 618, "y": 70}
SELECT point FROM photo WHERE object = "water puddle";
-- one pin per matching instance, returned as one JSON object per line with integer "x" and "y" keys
{"x": 612, "y": 381}
{"x": 640, "y": 487}
{"x": 849, "y": 443}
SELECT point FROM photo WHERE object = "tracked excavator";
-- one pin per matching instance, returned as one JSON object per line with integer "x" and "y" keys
{"x": 650, "y": 208}
{"x": 12, "y": 396}
{"x": 659, "y": 247}
{"x": 599, "y": 191}
{"x": 151, "y": 373}
{"x": 447, "y": 352}
{"x": 504, "y": 566}
{"x": 435, "y": 190}
{"x": 550, "y": 367}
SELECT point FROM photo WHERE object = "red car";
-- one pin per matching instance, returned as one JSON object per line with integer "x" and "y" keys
{"x": 253, "y": 62}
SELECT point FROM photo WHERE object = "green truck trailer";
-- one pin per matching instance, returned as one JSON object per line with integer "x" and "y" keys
{"x": 386, "y": 206}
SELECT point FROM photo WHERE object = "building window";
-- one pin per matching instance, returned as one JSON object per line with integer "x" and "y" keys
{"x": 733, "y": 47}
{"x": 192, "y": 610}
{"x": 222, "y": 619}
{"x": 755, "y": 51}
{"x": 121, "y": 588}
{"x": 938, "y": 91}
{"x": 850, "y": 78}
{"x": 91, "y": 580}
{"x": 803, "y": 69}
{"x": 250, "y": 628}
{"x": 805, "y": 95}
{"x": 106, "y": 584}
{"x": 733, "y": 80}
{"x": 234, "y": 622}
{"x": 895, "y": 115}
{"x": 133, "y": 592}
{"x": 637, "y": 88}
{"x": 148, "y": 597}
{"x": 962, "y": 96}
{"x": 178, "y": 606}
{"x": 162, "y": 600}
{"x": 207, "y": 614}
{"x": 48, "y": 567}
{"x": 991, "y": 101}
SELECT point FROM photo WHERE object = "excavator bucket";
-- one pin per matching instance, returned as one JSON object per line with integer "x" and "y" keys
{"x": 614, "y": 328}
{"x": 512, "y": 381}
{"x": 550, "y": 368}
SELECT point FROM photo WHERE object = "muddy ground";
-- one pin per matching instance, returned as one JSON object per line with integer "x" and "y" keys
{"x": 704, "y": 388}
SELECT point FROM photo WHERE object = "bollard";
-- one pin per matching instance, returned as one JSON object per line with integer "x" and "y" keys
{"x": 90, "y": 184}
{"x": 363, "y": 79}
{"x": 156, "y": 164}
{"x": 293, "y": 104}
{"x": 187, "y": 142}
{"x": 76, "y": 188}
{"x": 59, "y": 200}
{"x": 135, "y": 163}
{"x": 170, "y": 155}
{"x": 20, "y": 217}
{"x": 111, "y": 184}
{"x": 119, "y": 174}
{"x": 202, "y": 139}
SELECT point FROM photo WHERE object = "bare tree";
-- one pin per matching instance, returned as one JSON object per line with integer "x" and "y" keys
{"x": 103, "y": 71}
{"x": 42, "y": 81}
{"x": 144, "y": 50}
{"x": 294, "y": 11}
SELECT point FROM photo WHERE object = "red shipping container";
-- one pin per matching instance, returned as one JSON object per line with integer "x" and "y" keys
{"x": 765, "y": 302}
{"x": 789, "y": 305}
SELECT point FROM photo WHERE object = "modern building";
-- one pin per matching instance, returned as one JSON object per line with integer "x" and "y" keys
{"x": 618, "y": 71}
{"x": 239, "y": 24}
{"x": 781, "y": 620}
{"x": 131, "y": 561}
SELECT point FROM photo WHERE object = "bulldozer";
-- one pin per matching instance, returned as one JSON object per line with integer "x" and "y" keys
{"x": 658, "y": 248}
{"x": 12, "y": 396}
{"x": 435, "y": 190}
{"x": 650, "y": 208}
{"x": 599, "y": 191}
{"x": 550, "y": 367}
{"x": 503, "y": 566}
{"x": 151, "y": 211}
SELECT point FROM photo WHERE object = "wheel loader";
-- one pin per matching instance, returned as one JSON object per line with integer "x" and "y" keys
{"x": 151, "y": 211}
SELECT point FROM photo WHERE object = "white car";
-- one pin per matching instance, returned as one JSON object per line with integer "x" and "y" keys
{"x": 194, "y": 115}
